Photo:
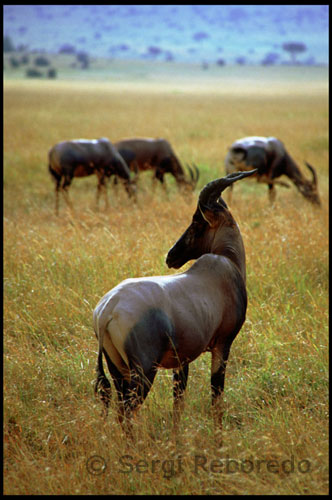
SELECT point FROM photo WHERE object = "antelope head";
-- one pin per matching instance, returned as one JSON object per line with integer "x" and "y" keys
{"x": 211, "y": 216}
{"x": 188, "y": 182}
{"x": 309, "y": 189}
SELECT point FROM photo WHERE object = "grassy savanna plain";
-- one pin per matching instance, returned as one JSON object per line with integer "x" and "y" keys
{"x": 275, "y": 438}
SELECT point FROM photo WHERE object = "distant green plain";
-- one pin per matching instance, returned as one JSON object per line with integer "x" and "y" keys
{"x": 173, "y": 76}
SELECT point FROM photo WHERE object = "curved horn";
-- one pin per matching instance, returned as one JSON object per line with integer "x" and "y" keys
{"x": 314, "y": 175}
{"x": 213, "y": 189}
{"x": 194, "y": 174}
{"x": 196, "y": 169}
{"x": 190, "y": 172}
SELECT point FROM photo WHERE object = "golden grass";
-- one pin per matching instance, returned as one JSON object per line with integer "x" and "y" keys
{"x": 56, "y": 270}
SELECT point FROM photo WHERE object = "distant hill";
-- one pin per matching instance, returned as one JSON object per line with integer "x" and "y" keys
{"x": 225, "y": 34}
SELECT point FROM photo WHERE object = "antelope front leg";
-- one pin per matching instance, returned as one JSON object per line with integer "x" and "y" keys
{"x": 218, "y": 370}
{"x": 272, "y": 193}
{"x": 101, "y": 188}
{"x": 64, "y": 188}
{"x": 180, "y": 377}
{"x": 57, "y": 190}
{"x": 159, "y": 175}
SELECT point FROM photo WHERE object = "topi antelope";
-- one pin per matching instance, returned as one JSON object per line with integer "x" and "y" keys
{"x": 167, "y": 321}
{"x": 82, "y": 157}
{"x": 270, "y": 157}
{"x": 158, "y": 155}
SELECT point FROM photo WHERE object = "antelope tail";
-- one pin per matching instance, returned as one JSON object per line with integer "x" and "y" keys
{"x": 102, "y": 385}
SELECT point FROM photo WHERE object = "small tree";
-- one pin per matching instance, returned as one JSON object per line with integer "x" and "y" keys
{"x": 33, "y": 73}
{"x": 294, "y": 48}
{"x": 41, "y": 61}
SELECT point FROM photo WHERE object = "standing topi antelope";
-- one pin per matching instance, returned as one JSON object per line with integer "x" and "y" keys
{"x": 158, "y": 155}
{"x": 82, "y": 157}
{"x": 167, "y": 321}
{"x": 270, "y": 157}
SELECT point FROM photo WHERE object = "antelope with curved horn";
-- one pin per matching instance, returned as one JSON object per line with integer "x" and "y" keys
{"x": 144, "y": 324}
{"x": 157, "y": 154}
{"x": 269, "y": 155}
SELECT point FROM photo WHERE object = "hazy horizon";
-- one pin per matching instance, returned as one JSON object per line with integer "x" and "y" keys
{"x": 242, "y": 34}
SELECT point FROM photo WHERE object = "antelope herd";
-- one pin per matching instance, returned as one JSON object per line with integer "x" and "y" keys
{"x": 144, "y": 324}
{"x": 126, "y": 158}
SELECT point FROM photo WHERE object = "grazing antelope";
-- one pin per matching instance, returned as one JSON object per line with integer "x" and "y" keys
{"x": 158, "y": 155}
{"x": 167, "y": 321}
{"x": 82, "y": 157}
{"x": 269, "y": 155}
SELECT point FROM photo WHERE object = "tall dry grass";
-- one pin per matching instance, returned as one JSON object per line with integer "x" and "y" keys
{"x": 56, "y": 270}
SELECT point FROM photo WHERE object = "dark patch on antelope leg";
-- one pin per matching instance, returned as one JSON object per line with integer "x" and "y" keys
{"x": 145, "y": 345}
{"x": 138, "y": 389}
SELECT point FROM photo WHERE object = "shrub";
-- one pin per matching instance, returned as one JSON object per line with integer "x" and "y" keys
{"x": 52, "y": 73}
{"x": 270, "y": 58}
{"x": 15, "y": 63}
{"x": 33, "y": 73}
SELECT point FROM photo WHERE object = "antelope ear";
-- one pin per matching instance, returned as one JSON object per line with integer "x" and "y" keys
{"x": 208, "y": 215}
